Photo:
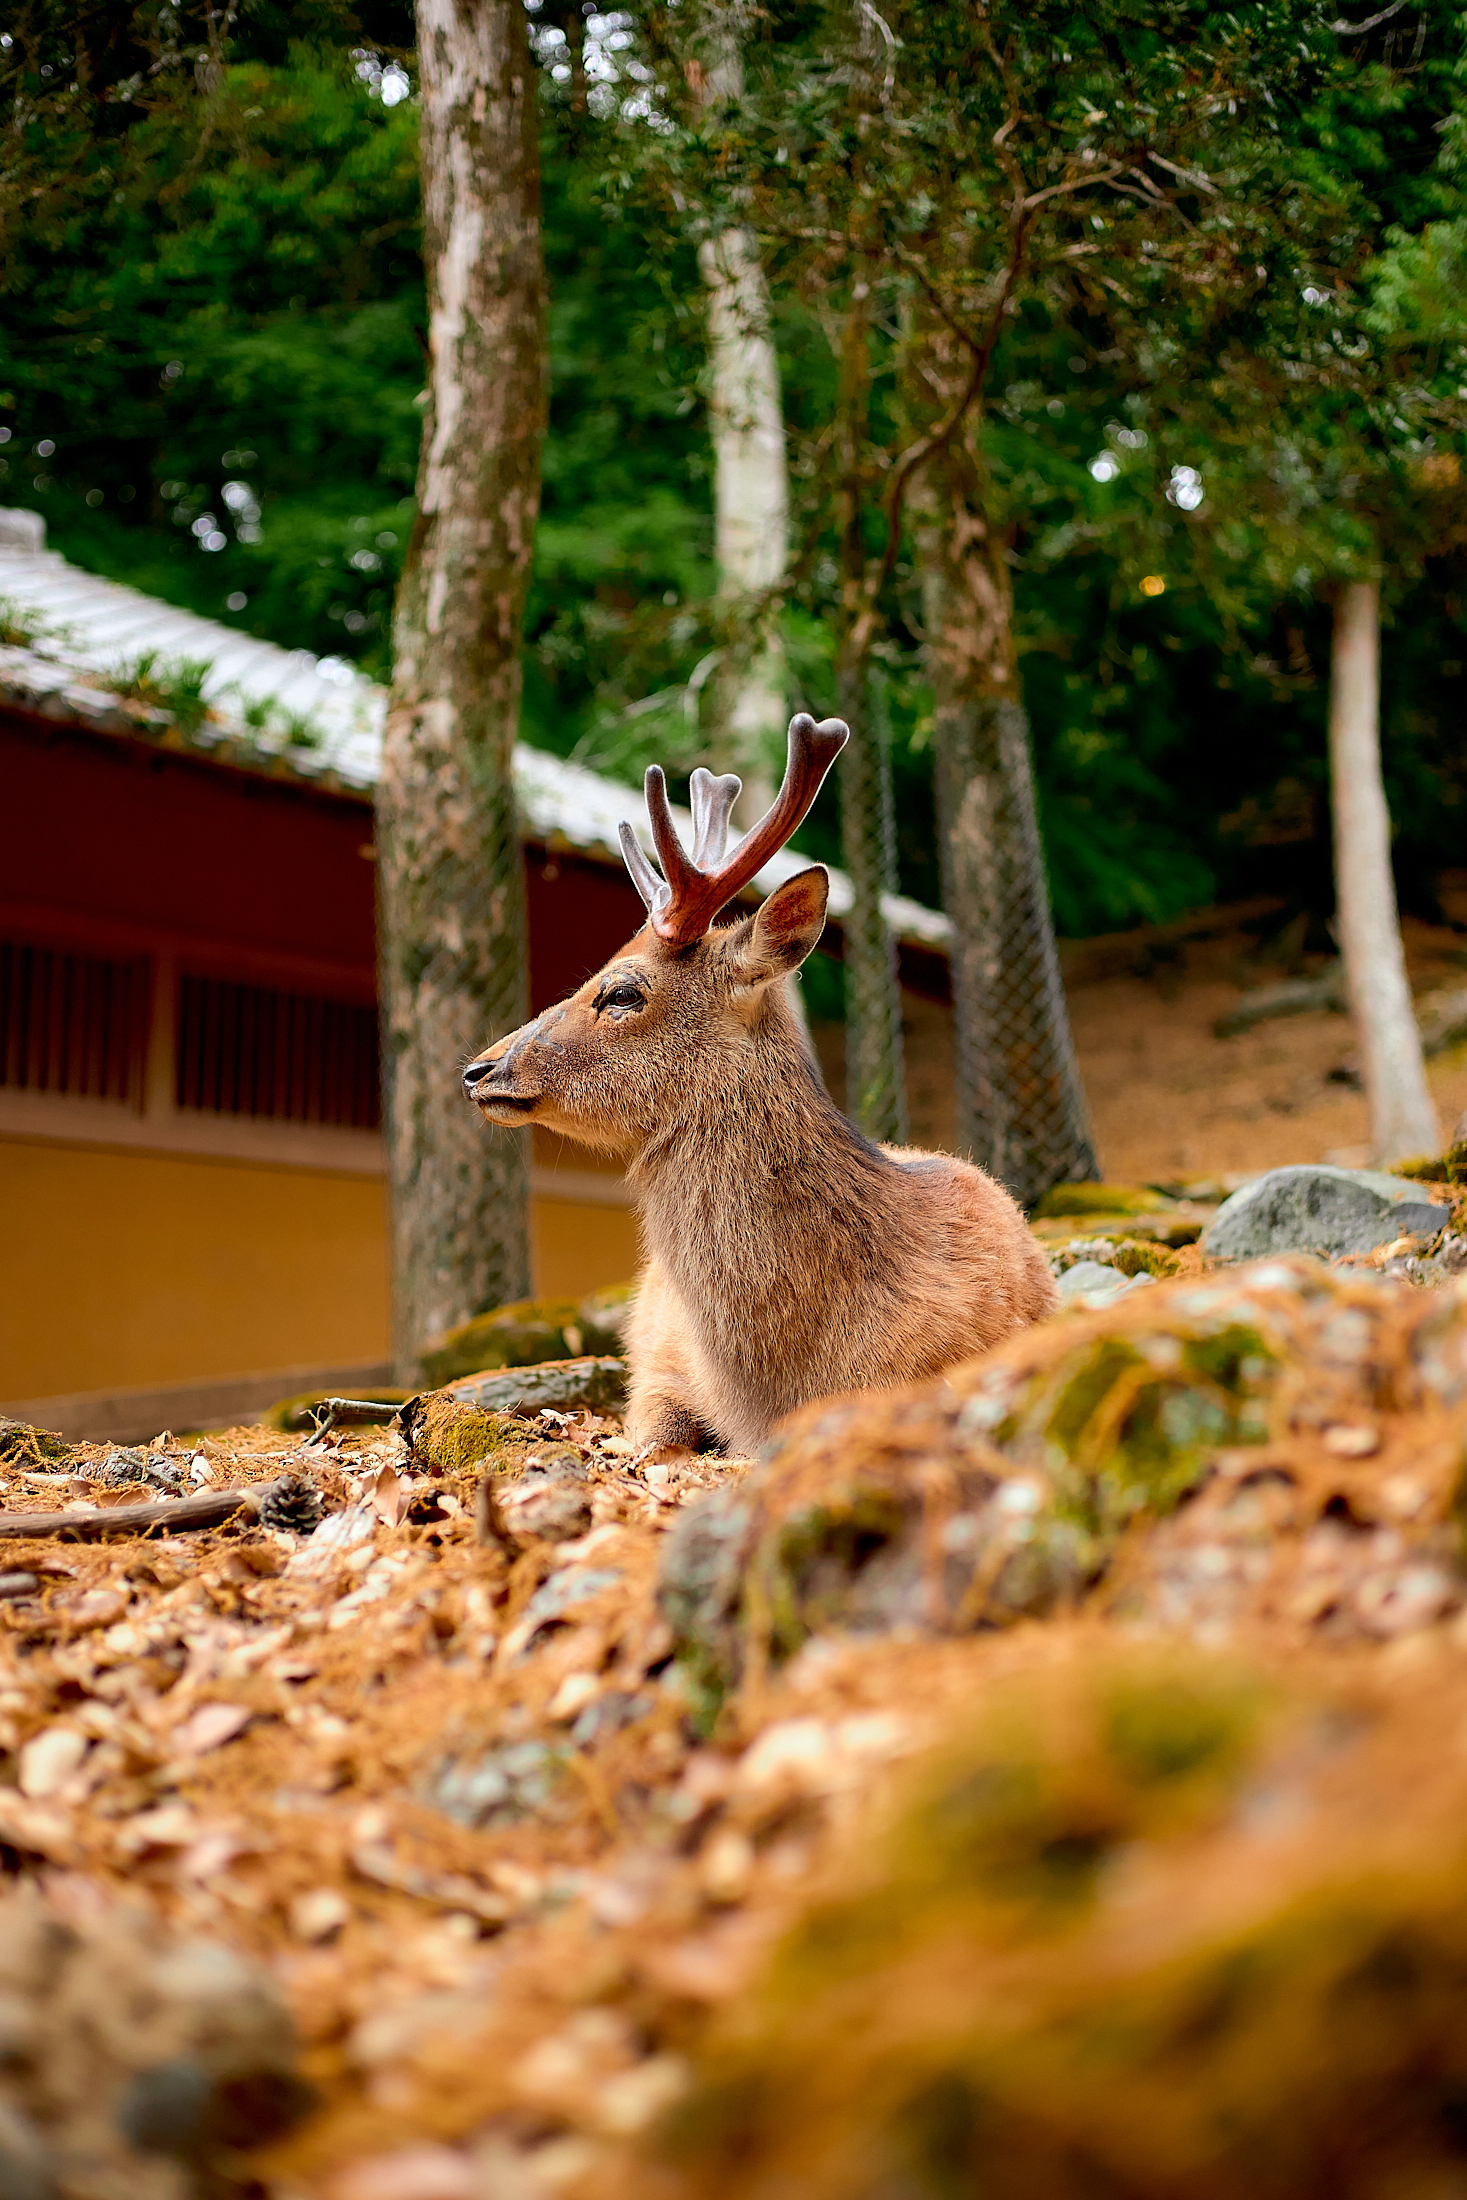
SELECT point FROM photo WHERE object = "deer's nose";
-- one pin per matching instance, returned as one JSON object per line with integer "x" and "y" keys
{"x": 475, "y": 1074}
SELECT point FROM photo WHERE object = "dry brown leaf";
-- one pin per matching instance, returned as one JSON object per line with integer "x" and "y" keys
{"x": 389, "y": 1496}
{"x": 209, "y": 1727}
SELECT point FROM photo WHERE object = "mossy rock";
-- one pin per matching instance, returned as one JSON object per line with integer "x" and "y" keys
{"x": 1073, "y": 1959}
{"x": 1127, "y": 1255}
{"x": 590, "y": 1385}
{"x": 22, "y": 1445}
{"x": 449, "y": 1437}
{"x": 1087, "y": 1200}
{"x": 529, "y": 1331}
{"x": 842, "y": 1526}
{"x": 1451, "y": 1168}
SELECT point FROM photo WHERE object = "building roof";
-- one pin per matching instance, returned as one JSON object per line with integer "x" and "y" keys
{"x": 81, "y": 630}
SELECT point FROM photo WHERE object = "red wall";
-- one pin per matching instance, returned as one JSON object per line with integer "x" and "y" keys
{"x": 114, "y": 838}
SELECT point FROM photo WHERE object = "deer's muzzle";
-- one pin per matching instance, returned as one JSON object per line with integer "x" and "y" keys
{"x": 503, "y": 1082}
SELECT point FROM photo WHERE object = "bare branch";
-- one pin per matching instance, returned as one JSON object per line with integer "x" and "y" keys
{"x": 880, "y": 23}
{"x": 208, "y": 1509}
{"x": 1342, "y": 29}
{"x": 928, "y": 446}
{"x": 1077, "y": 183}
{"x": 1194, "y": 176}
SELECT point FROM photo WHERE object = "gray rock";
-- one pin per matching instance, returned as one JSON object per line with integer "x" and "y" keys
{"x": 1089, "y": 1283}
{"x": 562, "y": 1593}
{"x": 139, "y": 1466}
{"x": 1316, "y": 1208}
{"x": 609, "y": 1714}
{"x": 26, "y": 2171}
{"x": 551, "y": 1500}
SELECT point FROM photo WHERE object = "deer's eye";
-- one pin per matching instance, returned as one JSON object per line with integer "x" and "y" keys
{"x": 622, "y": 996}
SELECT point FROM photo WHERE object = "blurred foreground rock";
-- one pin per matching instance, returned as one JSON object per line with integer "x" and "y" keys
{"x": 1283, "y": 1440}
{"x": 133, "y": 2065}
{"x": 1145, "y": 1924}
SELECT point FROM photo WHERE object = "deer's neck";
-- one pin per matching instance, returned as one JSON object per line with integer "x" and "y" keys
{"x": 762, "y": 1181}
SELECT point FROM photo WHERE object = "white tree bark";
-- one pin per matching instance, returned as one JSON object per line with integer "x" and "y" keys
{"x": 1402, "y": 1118}
{"x": 751, "y": 465}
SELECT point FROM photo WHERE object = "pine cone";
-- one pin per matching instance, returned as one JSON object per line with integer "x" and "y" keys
{"x": 294, "y": 1504}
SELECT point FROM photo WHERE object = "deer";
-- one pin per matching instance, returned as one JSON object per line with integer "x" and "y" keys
{"x": 788, "y": 1258}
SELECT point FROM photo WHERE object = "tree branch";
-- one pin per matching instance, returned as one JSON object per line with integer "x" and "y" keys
{"x": 1342, "y": 29}
{"x": 208, "y": 1509}
{"x": 927, "y": 446}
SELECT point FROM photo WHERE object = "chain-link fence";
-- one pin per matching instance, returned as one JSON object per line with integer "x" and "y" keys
{"x": 1021, "y": 1110}
{"x": 876, "y": 1088}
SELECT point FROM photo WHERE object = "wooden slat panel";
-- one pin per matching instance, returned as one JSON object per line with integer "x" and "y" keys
{"x": 286, "y": 1057}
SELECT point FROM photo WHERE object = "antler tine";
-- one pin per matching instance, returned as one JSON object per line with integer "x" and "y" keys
{"x": 697, "y": 897}
{"x": 676, "y": 869}
{"x": 712, "y": 801}
{"x": 655, "y": 892}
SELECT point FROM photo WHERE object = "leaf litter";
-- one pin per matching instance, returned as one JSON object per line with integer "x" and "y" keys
{"x": 546, "y": 1876}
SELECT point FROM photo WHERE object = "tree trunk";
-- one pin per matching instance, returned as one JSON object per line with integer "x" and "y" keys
{"x": 748, "y": 696}
{"x": 1020, "y": 1106}
{"x": 876, "y": 1086}
{"x": 1402, "y": 1118}
{"x": 450, "y": 869}
{"x": 876, "y": 1093}
{"x": 751, "y": 504}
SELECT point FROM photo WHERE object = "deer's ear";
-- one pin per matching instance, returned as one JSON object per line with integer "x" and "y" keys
{"x": 781, "y": 932}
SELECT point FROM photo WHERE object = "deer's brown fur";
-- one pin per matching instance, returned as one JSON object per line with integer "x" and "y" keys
{"x": 788, "y": 1258}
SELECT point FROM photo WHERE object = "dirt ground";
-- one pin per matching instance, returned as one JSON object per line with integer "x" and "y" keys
{"x": 517, "y": 1878}
{"x": 1168, "y": 1099}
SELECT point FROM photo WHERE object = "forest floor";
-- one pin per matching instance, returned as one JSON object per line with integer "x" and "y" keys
{"x": 520, "y": 1875}
{"x": 1090, "y": 1680}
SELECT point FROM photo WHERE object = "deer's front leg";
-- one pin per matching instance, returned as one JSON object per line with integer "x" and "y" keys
{"x": 662, "y": 1403}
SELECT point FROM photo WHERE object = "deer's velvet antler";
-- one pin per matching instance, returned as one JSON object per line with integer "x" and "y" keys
{"x": 685, "y": 900}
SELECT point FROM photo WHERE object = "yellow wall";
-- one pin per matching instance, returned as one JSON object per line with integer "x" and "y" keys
{"x": 121, "y": 1269}
{"x": 578, "y": 1249}
{"x": 132, "y": 1268}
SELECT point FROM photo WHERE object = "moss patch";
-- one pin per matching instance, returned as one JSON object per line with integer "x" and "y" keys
{"x": 21, "y": 1445}
{"x": 529, "y": 1331}
{"x": 449, "y": 1437}
{"x": 1099, "y": 1199}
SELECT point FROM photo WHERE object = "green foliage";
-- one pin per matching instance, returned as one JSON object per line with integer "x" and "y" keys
{"x": 213, "y": 332}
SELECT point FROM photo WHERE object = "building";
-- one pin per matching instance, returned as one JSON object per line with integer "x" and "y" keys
{"x": 191, "y": 1169}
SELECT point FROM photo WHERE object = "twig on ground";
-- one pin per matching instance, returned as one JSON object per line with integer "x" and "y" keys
{"x": 209, "y": 1509}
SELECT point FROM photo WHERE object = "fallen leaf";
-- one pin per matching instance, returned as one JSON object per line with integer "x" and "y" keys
{"x": 171, "y": 1826}
{"x": 209, "y": 1727}
{"x": 34, "y": 1830}
{"x": 91, "y": 1608}
{"x": 379, "y": 1863}
{"x": 390, "y": 1497}
{"x": 49, "y": 1759}
{"x": 422, "y": 2172}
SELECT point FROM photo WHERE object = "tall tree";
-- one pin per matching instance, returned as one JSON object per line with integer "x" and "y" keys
{"x": 751, "y": 466}
{"x": 1403, "y": 1120}
{"x": 956, "y": 163}
{"x": 1020, "y": 1107}
{"x": 451, "y": 880}
{"x": 1333, "y": 419}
